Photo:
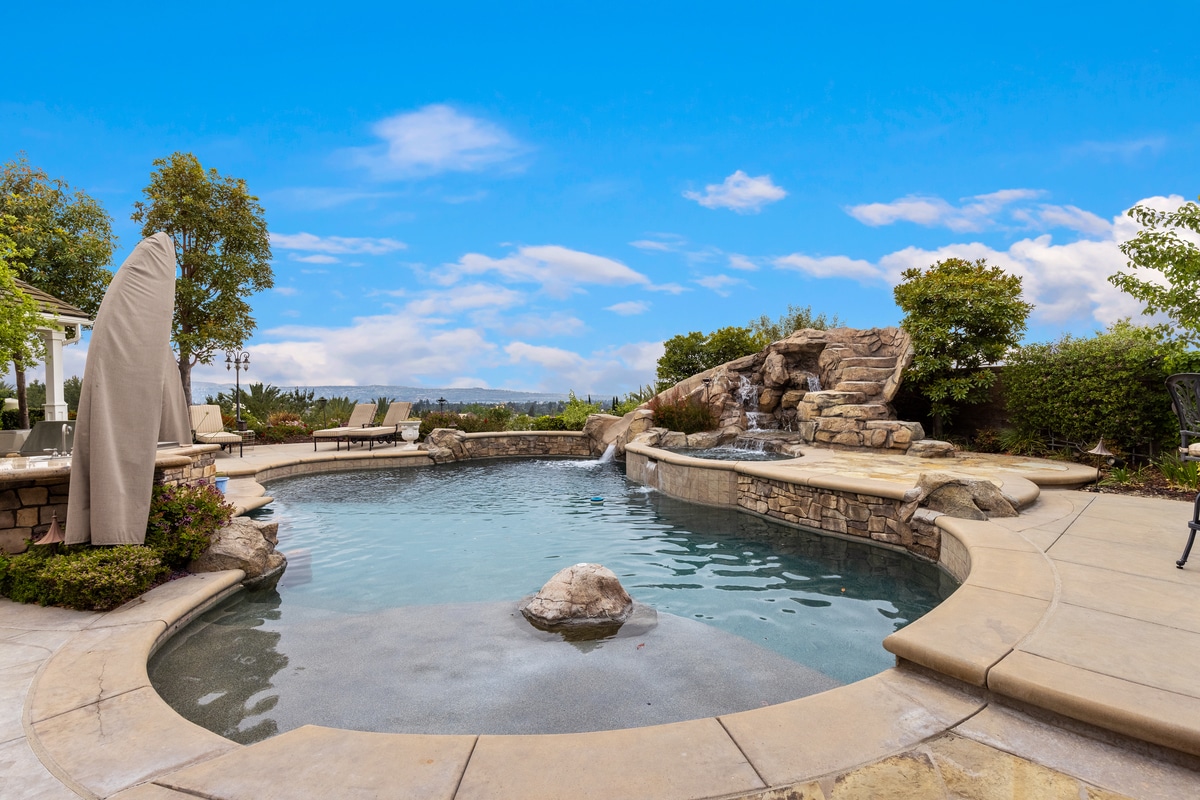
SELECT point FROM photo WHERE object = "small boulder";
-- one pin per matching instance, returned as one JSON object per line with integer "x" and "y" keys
{"x": 581, "y": 595}
{"x": 930, "y": 448}
{"x": 962, "y": 497}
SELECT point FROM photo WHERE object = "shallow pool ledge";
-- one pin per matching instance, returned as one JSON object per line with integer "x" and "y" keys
{"x": 95, "y": 722}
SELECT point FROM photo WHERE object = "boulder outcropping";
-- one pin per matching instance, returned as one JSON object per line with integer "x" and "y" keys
{"x": 579, "y": 596}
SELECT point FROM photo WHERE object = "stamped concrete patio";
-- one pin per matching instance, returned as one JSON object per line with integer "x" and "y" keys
{"x": 1064, "y": 667}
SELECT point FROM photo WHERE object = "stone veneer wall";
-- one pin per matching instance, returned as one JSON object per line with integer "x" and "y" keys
{"x": 880, "y": 519}
{"x": 28, "y": 504}
{"x": 447, "y": 444}
{"x": 892, "y": 521}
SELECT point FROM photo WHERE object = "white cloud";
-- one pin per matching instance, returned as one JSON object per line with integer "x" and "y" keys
{"x": 286, "y": 291}
{"x": 1121, "y": 150}
{"x": 559, "y": 270}
{"x": 554, "y": 358}
{"x": 719, "y": 283}
{"x": 739, "y": 192}
{"x": 434, "y": 139}
{"x": 469, "y": 297}
{"x": 741, "y": 262}
{"x": 1064, "y": 281}
{"x": 321, "y": 198}
{"x": 650, "y": 244}
{"x": 831, "y": 267}
{"x": 1075, "y": 219}
{"x": 974, "y": 214}
{"x": 316, "y": 258}
{"x": 542, "y": 325}
{"x": 386, "y": 349}
{"x": 629, "y": 308}
{"x": 311, "y": 243}
{"x": 668, "y": 288}
{"x": 607, "y": 370}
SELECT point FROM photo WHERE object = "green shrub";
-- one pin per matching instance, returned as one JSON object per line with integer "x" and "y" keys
{"x": 101, "y": 578}
{"x": 83, "y": 577}
{"x": 547, "y": 422}
{"x": 1179, "y": 473}
{"x": 1111, "y": 385}
{"x": 684, "y": 414}
{"x": 576, "y": 412}
{"x": 183, "y": 520}
{"x": 439, "y": 419}
{"x": 277, "y": 433}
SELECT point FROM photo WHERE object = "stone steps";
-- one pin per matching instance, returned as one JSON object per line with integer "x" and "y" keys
{"x": 829, "y": 398}
{"x": 877, "y": 374}
{"x": 868, "y": 388}
{"x": 857, "y": 411}
{"x": 875, "y": 362}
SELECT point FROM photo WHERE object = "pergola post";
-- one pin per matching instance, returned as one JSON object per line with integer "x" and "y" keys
{"x": 56, "y": 402}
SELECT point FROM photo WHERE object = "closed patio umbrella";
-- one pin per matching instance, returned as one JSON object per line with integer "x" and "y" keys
{"x": 131, "y": 399}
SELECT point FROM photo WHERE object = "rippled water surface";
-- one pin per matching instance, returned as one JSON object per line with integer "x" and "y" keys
{"x": 498, "y": 530}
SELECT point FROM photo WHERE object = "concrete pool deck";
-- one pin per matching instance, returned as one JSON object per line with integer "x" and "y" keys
{"x": 1064, "y": 667}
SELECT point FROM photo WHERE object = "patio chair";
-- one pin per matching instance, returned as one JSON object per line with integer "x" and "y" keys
{"x": 209, "y": 428}
{"x": 1185, "y": 397}
{"x": 360, "y": 418}
{"x": 388, "y": 429}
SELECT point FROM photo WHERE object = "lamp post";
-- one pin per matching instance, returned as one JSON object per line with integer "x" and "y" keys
{"x": 441, "y": 401}
{"x": 238, "y": 362}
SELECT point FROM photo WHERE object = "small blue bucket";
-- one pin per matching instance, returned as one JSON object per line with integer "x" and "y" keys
{"x": 222, "y": 482}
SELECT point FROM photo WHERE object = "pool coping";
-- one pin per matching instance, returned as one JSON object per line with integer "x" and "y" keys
{"x": 95, "y": 722}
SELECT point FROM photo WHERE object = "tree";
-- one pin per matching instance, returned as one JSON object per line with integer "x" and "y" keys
{"x": 962, "y": 316}
{"x": 20, "y": 316}
{"x": 1158, "y": 248}
{"x": 223, "y": 252}
{"x": 796, "y": 319}
{"x": 64, "y": 241}
{"x": 689, "y": 354}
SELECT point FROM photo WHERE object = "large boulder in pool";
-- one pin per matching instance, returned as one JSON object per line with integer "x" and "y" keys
{"x": 582, "y": 595}
{"x": 246, "y": 545}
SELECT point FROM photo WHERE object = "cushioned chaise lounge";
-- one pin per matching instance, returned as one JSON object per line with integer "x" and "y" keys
{"x": 388, "y": 429}
{"x": 208, "y": 428}
{"x": 359, "y": 418}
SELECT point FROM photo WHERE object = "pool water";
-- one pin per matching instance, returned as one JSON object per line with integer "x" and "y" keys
{"x": 390, "y": 541}
{"x": 726, "y": 453}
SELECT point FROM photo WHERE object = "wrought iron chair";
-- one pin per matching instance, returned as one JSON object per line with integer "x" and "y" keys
{"x": 1185, "y": 395}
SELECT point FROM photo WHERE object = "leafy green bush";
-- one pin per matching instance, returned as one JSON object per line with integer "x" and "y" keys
{"x": 1179, "y": 473}
{"x": 275, "y": 434}
{"x": 684, "y": 414}
{"x": 575, "y": 415}
{"x": 101, "y": 578}
{"x": 183, "y": 520}
{"x": 548, "y": 423}
{"x": 1111, "y": 385}
{"x": 83, "y": 577}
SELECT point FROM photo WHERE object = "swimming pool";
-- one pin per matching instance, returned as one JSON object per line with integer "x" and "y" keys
{"x": 400, "y": 579}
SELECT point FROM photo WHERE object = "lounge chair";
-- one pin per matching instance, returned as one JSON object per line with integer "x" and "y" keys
{"x": 388, "y": 429}
{"x": 359, "y": 418}
{"x": 208, "y": 428}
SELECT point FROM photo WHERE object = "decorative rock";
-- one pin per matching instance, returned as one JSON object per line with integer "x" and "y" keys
{"x": 775, "y": 371}
{"x": 239, "y": 545}
{"x": 674, "y": 439}
{"x": 704, "y": 440}
{"x": 962, "y": 497}
{"x": 582, "y": 595}
{"x": 931, "y": 448}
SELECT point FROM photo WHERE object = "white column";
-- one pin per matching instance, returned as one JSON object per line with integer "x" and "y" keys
{"x": 56, "y": 402}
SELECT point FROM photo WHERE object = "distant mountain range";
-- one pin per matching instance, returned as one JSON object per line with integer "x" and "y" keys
{"x": 202, "y": 389}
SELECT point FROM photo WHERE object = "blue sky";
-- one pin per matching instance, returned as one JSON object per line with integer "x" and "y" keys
{"x": 535, "y": 196}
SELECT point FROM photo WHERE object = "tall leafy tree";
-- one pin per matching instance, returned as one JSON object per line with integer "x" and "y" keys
{"x": 223, "y": 252}
{"x": 19, "y": 313}
{"x": 689, "y": 354}
{"x": 64, "y": 243}
{"x": 962, "y": 315}
{"x": 1159, "y": 248}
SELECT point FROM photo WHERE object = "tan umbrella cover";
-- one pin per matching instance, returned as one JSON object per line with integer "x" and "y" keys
{"x": 131, "y": 399}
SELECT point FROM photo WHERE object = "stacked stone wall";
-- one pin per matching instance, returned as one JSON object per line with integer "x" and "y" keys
{"x": 28, "y": 506}
{"x": 880, "y": 519}
{"x": 506, "y": 445}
